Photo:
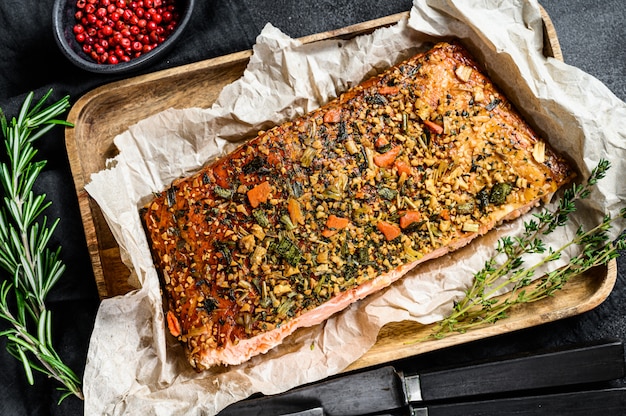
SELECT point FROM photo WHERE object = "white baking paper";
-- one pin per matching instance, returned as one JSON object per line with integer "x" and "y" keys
{"x": 133, "y": 368}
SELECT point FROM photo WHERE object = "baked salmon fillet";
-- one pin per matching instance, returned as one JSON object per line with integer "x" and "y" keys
{"x": 321, "y": 211}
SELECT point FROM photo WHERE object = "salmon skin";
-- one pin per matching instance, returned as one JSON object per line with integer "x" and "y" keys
{"x": 321, "y": 211}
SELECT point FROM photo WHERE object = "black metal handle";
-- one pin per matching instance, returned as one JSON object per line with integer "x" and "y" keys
{"x": 586, "y": 364}
{"x": 585, "y": 403}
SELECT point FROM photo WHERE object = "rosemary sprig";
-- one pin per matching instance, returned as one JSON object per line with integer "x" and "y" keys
{"x": 506, "y": 268}
{"x": 24, "y": 253}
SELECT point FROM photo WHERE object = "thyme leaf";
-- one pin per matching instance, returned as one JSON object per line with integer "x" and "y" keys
{"x": 32, "y": 267}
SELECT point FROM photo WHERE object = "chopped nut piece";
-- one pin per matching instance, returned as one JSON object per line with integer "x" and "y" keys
{"x": 351, "y": 147}
{"x": 258, "y": 255}
{"x": 463, "y": 72}
{"x": 539, "y": 152}
{"x": 246, "y": 244}
{"x": 282, "y": 289}
{"x": 471, "y": 227}
{"x": 479, "y": 94}
{"x": 257, "y": 231}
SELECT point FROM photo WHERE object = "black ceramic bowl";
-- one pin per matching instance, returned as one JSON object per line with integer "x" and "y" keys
{"x": 63, "y": 21}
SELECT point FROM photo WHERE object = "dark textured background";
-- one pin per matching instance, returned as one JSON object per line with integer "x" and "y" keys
{"x": 591, "y": 34}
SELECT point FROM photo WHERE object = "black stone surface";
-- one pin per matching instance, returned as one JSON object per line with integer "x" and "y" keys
{"x": 591, "y": 35}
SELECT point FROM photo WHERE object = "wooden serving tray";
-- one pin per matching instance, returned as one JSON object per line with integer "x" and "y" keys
{"x": 100, "y": 115}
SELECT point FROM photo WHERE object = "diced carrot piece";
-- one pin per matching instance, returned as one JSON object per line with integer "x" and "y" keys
{"x": 259, "y": 194}
{"x": 172, "y": 324}
{"x": 445, "y": 214}
{"x": 295, "y": 212}
{"x": 385, "y": 160}
{"x": 389, "y": 90}
{"x": 332, "y": 116}
{"x": 403, "y": 167}
{"x": 334, "y": 224}
{"x": 410, "y": 217}
{"x": 434, "y": 127}
{"x": 390, "y": 231}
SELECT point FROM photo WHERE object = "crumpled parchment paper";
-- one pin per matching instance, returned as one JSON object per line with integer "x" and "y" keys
{"x": 133, "y": 368}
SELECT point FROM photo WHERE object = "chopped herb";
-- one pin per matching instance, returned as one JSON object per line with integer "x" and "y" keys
{"x": 387, "y": 193}
{"x": 288, "y": 250}
{"x": 493, "y": 104}
{"x": 363, "y": 161}
{"x": 376, "y": 99}
{"x": 341, "y": 131}
{"x": 261, "y": 218}
{"x": 209, "y": 304}
{"x": 499, "y": 192}
{"x": 171, "y": 196}
{"x": 466, "y": 208}
{"x": 285, "y": 308}
{"x": 225, "y": 247}
{"x": 286, "y": 220}
{"x": 333, "y": 192}
{"x": 307, "y": 157}
{"x": 256, "y": 165}
{"x": 223, "y": 192}
{"x": 482, "y": 199}
{"x": 295, "y": 188}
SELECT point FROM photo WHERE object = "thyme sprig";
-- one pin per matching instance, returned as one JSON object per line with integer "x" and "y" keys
{"x": 507, "y": 268}
{"x": 32, "y": 267}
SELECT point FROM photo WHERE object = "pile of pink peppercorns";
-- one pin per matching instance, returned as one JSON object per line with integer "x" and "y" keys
{"x": 114, "y": 31}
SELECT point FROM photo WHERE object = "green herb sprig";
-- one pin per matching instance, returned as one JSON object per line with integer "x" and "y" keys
{"x": 507, "y": 269}
{"x": 24, "y": 253}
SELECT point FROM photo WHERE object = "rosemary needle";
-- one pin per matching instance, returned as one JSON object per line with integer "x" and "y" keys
{"x": 506, "y": 268}
{"x": 32, "y": 267}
